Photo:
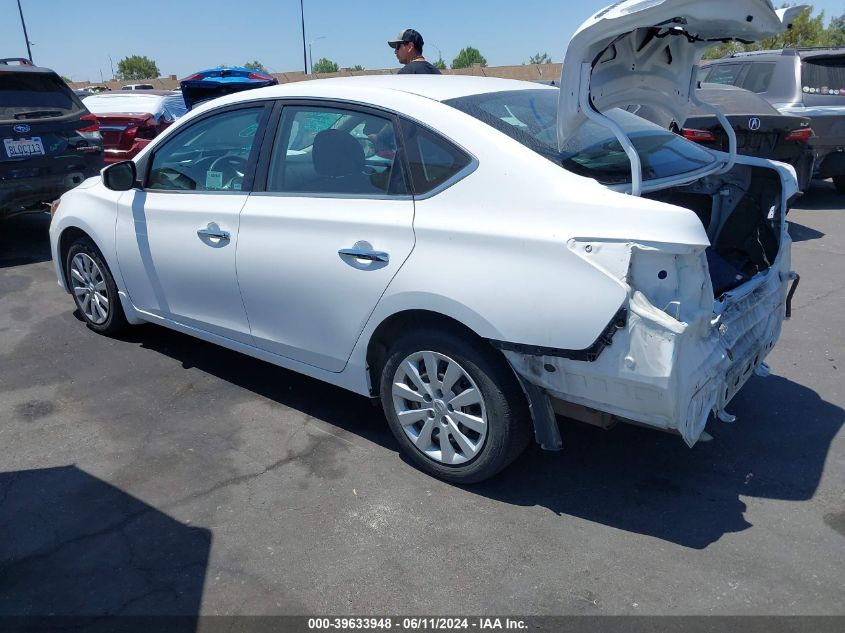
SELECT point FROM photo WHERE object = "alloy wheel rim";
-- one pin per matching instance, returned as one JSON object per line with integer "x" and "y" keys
{"x": 440, "y": 408}
{"x": 89, "y": 288}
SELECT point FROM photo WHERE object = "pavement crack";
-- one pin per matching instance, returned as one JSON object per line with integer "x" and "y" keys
{"x": 241, "y": 479}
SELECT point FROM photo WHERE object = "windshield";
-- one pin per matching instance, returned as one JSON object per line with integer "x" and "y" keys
{"x": 530, "y": 117}
{"x": 35, "y": 96}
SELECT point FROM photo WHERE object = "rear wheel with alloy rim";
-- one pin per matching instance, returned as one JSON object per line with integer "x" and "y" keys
{"x": 454, "y": 406}
{"x": 93, "y": 288}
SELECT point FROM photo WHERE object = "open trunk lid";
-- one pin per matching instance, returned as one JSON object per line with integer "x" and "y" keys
{"x": 646, "y": 52}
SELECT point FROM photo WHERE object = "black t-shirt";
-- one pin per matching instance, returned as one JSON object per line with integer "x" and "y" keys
{"x": 421, "y": 67}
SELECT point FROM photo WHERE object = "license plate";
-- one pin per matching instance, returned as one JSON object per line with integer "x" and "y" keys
{"x": 23, "y": 147}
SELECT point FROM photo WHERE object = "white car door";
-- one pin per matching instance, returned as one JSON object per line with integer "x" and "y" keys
{"x": 177, "y": 237}
{"x": 320, "y": 245}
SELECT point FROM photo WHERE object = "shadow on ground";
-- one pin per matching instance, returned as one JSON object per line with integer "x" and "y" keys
{"x": 650, "y": 483}
{"x": 25, "y": 239}
{"x": 629, "y": 478}
{"x": 821, "y": 195}
{"x": 73, "y": 545}
{"x": 800, "y": 233}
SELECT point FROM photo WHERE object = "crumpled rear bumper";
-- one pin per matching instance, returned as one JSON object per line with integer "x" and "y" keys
{"x": 669, "y": 374}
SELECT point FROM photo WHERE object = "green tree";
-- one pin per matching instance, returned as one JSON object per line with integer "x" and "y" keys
{"x": 324, "y": 65}
{"x": 807, "y": 30}
{"x": 257, "y": 66}
{"x": 439, "y": 64}
{"x": 540, "y": 58}
{"x": 467, "y": 57}
{"x": 136, "y": 67}
{"x": 837, "y": 30}
{"x": 357, "y": 68}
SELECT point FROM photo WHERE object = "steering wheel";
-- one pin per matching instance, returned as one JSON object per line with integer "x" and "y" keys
{"x": 231, "y": 166}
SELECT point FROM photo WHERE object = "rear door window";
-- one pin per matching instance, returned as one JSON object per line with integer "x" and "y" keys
{"x": 27, "y": 96}
{"x": 433, "y": 160}
{"x": 336, "y": 151}
{"x": 759, "y": 76}
{"x": 727, "y": 74}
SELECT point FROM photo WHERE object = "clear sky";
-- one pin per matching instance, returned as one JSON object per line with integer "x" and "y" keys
{"x": 76, "y": 37}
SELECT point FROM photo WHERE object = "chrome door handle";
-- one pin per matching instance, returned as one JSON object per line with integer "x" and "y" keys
{"x": 213, "y": 232}
{"x": 358, "y": 253}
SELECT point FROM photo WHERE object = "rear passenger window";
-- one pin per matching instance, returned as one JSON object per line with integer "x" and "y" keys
{"x": 433, "y": 160}
{"x": 726, "y": 74}
{"x": 335, "y": 151}
{"x": 758, "y": 77}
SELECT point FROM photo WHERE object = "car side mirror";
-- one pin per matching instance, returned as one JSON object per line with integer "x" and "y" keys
{"x": 120, "y": 176}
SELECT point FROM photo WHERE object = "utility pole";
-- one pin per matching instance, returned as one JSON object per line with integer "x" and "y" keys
{"x": 304, "y": 51}
{"x": 25, "y": 36}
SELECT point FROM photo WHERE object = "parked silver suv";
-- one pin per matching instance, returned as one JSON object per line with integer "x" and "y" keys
{"x": 806, "y": 82}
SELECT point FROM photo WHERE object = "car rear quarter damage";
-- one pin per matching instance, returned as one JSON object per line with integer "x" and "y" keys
{"x": 678, "y": 350}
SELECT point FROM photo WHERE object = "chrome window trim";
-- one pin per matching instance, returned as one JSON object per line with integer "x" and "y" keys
{"x": 340, "y": 196}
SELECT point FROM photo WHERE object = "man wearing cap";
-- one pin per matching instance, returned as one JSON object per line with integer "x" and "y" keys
{"x": 409, "y": 48}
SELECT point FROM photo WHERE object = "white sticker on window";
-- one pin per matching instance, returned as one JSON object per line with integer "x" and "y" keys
{"x": 214, "y": 180}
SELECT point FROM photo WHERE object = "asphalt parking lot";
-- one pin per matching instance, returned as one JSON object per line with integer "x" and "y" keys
{"x": 157, "y": 474}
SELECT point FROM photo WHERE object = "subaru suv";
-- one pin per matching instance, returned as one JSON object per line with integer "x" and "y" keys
{"x": 49, "y": 142}
{"x": 807, "y": 82}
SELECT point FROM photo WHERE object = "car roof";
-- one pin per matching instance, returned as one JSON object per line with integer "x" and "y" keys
{"x": 368, "y": 87}
{"x": 23, "y": 67}
{"x": 782, "y": 52}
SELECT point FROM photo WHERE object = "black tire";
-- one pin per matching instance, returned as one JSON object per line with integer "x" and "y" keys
{"x": 115, "y": 320}
{"x": 508, "y": 426}
{"x": 839, "y": 182}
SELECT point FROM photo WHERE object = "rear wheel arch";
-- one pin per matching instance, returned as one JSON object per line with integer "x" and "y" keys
{"x": 400, "y": 323}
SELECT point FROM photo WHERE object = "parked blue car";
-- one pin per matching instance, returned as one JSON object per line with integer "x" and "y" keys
{"x": 216, "y": 82}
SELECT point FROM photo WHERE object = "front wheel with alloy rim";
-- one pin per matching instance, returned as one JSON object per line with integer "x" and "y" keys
{"x": 453, "y": 405}
{"x": 93, "y": 288}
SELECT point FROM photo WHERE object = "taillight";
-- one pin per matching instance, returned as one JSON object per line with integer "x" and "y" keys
{"x": 90, "y": 132}
{"x": 260, "y": 76}
{"x": 94, "y": 124}
{"x": 147, "y": 128}
{"x": 802, "y": 135}
{"x": 699, "y": 136}
{"x": 196, "y": 77}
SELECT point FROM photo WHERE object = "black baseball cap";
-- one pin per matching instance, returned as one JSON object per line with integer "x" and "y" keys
{"x": 408, "y": 35}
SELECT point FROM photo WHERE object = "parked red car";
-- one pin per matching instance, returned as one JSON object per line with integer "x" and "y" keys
{"x": 129, "y": 120}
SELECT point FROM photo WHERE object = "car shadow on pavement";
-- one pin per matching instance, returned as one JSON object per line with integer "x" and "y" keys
{"x": 821, "y": 195}
{"x": 650, "y": 483}
{"x": 25, "y": 239}
{"x": 312, "y": 397}
{"x": 800, "y": 233}
{"x": 629, "y": 478}
{"x": 72, "y": 545}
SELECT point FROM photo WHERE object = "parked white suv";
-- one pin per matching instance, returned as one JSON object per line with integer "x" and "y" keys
{"x": 477, "y": 253}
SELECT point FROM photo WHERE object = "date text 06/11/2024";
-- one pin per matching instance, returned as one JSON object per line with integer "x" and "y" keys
{"x": 416, "y": 623}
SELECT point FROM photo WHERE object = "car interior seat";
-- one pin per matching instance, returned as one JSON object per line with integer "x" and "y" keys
{"x": 339, "y": 163}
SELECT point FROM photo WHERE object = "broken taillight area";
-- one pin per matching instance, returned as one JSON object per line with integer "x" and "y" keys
{"x": 700, "y": 319}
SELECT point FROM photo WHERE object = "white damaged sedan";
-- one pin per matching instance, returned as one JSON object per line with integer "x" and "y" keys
{"x": 479, "y": 254}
